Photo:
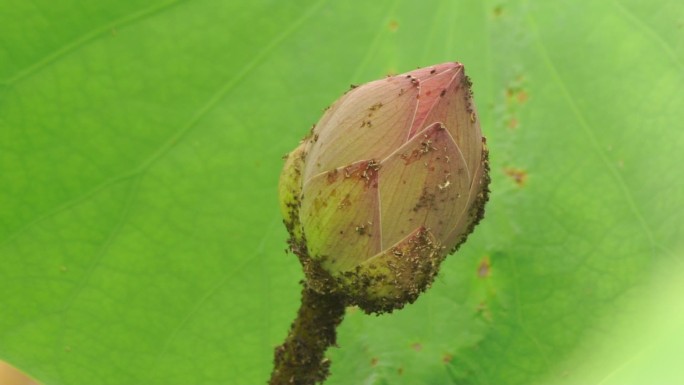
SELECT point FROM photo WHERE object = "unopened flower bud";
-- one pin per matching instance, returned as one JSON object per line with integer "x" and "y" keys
{"x": 392, "y": 178}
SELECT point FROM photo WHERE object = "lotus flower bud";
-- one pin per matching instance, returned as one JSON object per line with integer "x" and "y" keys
{"x": 392, "y": 178}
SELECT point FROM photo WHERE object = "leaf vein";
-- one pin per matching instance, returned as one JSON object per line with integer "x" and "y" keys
{"x": 85, "y": 39}
{"x": 648, "y": 31}
{"x": 586, "y": 128}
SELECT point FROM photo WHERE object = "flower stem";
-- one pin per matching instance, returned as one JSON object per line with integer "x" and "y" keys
{"x": 300, "y": 359}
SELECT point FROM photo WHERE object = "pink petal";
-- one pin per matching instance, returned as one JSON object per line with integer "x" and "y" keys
{"x": 340, "y": 215}
{"x": 422, "y": 184}
{"x": 369, "y": 122}
{"x": 433, "y": 90}
{"x": 457, "y": 111}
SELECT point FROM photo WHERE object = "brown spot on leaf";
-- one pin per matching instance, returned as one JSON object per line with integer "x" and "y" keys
{"x": 497, "y": 11}
{"x": 374, "y": 362}
{"x": 483, "y": 310}
{"x": 519, "y": 176}
{"x": 513, "y": 123}
{"x": 446, "y": 358}
{"x": 522, "y": 96}
{"x": 483, "y": 268}
{"x": 417, "y": 346}
{"x": 393, "y": 25}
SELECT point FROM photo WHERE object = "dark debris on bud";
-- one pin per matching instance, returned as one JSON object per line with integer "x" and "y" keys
{"x": 405, "y": 272}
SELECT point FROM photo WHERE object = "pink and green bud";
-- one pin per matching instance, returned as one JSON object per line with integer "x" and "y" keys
{"x": 392, "y": 178}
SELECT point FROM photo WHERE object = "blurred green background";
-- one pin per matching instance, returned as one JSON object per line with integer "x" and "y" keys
{"x": 140, "y": 147}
